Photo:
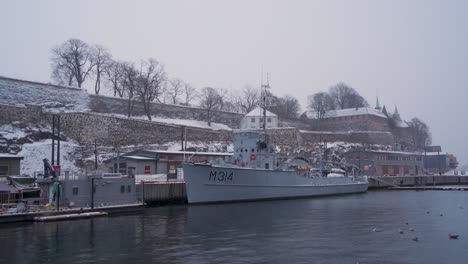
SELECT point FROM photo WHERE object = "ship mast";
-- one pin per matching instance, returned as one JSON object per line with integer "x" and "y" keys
{"x": 263, "y": 104}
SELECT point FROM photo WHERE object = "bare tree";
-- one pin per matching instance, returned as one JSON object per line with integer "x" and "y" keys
{"x": 346, "y": 97}
{"x": 174, "y": 89}
{"x": 190, "y": 93}
{"x": 115, "y": 75}
{"x": 287, "y": 106}
{"x": 72, "y": 61}
{"x": 62, "y": 76}
{"x": 211, "y": 101}
{"x": 249, "y": 99}
{"x": 102, "y": 60}
{"x": 420, "y": 132}
{"x": 151, "y": 80}
{"x": 129, "y": 84}
{"x": 321, "y": 103}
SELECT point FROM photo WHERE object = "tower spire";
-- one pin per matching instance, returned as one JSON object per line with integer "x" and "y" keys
{"x": 377, "y": 104}
{"x": 396, "y": 115}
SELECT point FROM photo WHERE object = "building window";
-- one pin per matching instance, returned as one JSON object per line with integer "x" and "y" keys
{"x": 75, "y": 190}
{"x": 366, "y": 157}
{"x": 122, "y": 188}
{"x": 252, "y": 120}
{"x": 406, "y": 170}
{"x": 147, "y": 169}
{"x": 261, "y": 119}
{"x": 269, "y": 120}
{"x": 4, "y": 170}
{"x": 129, "y": 188}
{"x": 358, "y": 157}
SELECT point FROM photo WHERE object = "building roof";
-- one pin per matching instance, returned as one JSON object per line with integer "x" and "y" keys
{"x": 6, "y": 188}
{"x": 259, "y": 112}
{"x": 191, "y": 152}
{"x": 387, "y": 152}
{"x": 10, "y": 156}
{"x": 400, "y": 123}
{"x": 134, "y": 157}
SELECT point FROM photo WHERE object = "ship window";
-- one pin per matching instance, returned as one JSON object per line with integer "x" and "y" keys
{"x": 122, "y": 188}
{"x": 253, "y": 150}
{"x": 246, "y": 150}
{"x": 252, "y": 119}
{"x": 242, "y": 150}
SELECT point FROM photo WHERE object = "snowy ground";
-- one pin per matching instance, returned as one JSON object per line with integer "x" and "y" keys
{"x": 184, "y": 122}
{"x": 10, "y": 132}
{"x": 35, "y": 152}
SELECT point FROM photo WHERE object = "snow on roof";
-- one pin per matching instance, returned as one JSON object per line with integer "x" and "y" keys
{"x": 259, "y": 112}
{"x": 310, "y": 114}
{"x": 191, "y": 152}
{"x": 354, "y": 112}
{"x": 388, "y": 152}
{"x": 10, "y": 156}
{"x": 138, "y": 157}
{"x": 400, "y": 123}
{"x": 436, "y": 154}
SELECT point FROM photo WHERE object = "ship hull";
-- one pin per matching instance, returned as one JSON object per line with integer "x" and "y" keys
{"x": 211, "y": 184}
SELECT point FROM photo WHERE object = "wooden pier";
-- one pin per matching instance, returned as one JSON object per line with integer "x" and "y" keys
{"x": 164, "y": 192}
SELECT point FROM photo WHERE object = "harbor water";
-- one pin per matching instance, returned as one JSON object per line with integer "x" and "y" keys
{"x": 374, "y": 227}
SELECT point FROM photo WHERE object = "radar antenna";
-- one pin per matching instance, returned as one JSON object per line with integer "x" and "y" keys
{"x": 264, "y": 93}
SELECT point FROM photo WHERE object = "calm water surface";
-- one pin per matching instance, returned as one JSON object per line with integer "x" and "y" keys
{"x": 324, "y": 230}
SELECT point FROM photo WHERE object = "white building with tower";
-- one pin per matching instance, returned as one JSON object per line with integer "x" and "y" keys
{"x": 254, "y": 120}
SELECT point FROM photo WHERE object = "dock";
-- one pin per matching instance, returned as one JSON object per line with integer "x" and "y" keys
{"x": 432, "y": 188}
{"x": 419, "y": 182}
{"x": 29, "y": 216}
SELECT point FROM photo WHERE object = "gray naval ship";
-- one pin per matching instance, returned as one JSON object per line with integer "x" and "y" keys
{"x": 255, "y": 173}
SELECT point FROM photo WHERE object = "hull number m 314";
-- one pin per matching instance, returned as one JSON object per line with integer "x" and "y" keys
{"x": 221, "y": 176}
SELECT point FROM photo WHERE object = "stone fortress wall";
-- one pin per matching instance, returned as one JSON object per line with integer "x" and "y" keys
{"x": 98, "y": 123}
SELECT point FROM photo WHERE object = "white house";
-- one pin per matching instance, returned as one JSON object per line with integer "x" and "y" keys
{"x": 254, "y": 119}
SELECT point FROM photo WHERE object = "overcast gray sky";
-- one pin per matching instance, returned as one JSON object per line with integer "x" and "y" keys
{"x": 412, "y": 53}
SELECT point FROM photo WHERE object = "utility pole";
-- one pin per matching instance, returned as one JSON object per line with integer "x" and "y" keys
{"x": 95, "y": 155}
{"x": 58, "y": 142}
{"x": 53, "y": 140}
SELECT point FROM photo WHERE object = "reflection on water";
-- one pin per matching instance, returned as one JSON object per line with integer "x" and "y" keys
{"x": 324, "y": 230}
